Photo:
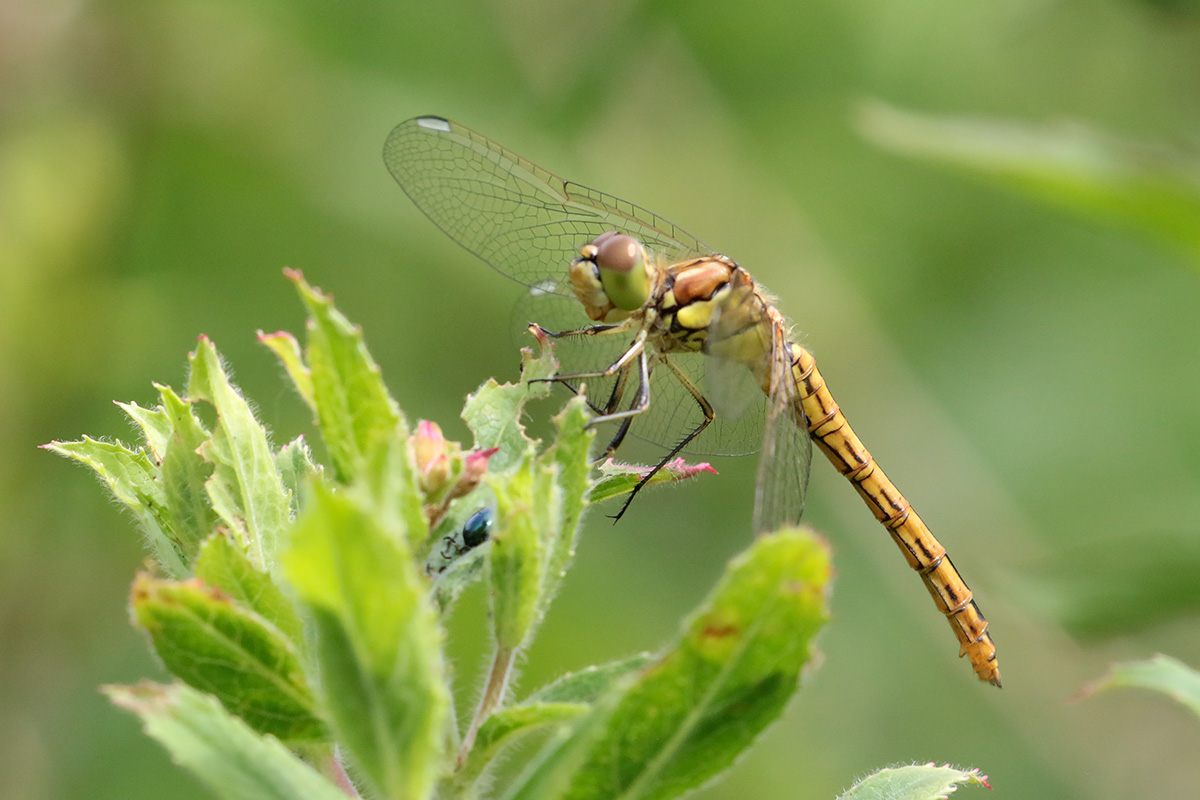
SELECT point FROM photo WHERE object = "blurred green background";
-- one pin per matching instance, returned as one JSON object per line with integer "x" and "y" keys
{"x": 1028, "y": 376}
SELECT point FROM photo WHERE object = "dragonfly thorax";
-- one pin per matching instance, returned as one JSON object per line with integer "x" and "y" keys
{"x": 694, "y": 294}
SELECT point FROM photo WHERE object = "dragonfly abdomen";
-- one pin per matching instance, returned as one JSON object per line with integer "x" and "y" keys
{"x": 832, "y": 433}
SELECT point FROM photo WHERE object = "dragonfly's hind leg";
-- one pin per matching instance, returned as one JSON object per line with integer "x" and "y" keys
{"x": 705, "y": 408}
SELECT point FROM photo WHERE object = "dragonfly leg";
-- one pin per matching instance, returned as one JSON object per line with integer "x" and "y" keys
{"x": 705, "y": 407}
{"x": 590, "y": 330}
{"x": 614, "y": 401}
{"x": 641, "y": 400}
{"x": 636, "y": 347}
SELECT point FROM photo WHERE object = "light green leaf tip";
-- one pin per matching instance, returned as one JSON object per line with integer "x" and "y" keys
{"x": 132, "y": 478}
{"x": 915, "y": 782}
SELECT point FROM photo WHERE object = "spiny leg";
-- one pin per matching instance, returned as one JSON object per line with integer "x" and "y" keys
{"x": 636, "y": 347}
{"x": 569, "y": 379}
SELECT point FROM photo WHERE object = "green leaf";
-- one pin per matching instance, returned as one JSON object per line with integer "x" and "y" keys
{"x": 245, "y": 488}
{"x": 219, "y": 749}
{"x": 133, "y": 480}
{"x": 287, "y": 350}
{"x": 515, "y": 561}
{"x": 353, "y": 407}
{"x": 493, "y": 412}
{"x": 217, "y": 647}
{"x": 155, "y": 425}
{"x": 1161, "y": 674}
{"x": 571, "y": 456}
{"x": 913, "y": 783}
{"x": 378, "y": 643}
{"x": 184, "y": 473}
{"x": 223, "y": 565}
{"x": 589, "y": 683}
{"x": 733, "y": 669}
{"x": 389, "y": 478}
{"x": 1146, "y": 186}
{"x": 296, "y": 468}
{"x": 618, "y": 479}
{"x": 461, "y": 573}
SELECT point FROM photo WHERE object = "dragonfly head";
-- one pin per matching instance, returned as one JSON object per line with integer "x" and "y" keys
{"x": 611, "y": 275}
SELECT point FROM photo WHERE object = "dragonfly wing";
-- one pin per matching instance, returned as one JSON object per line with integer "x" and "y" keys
{"x": 783, "y": 467}
{"x": 747, "y": 336}
{"x": 524, "y": 221}
{"x": 737, "y": 401}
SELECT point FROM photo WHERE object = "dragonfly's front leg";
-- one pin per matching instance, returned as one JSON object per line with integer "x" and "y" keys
{"x": 621, "y": 369}
{"x": 636, "y": 347}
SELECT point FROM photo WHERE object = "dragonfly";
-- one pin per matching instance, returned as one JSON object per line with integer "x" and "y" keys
{"x": 666, "y": 337}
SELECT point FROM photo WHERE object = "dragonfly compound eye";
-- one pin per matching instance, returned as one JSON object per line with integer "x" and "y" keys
{"x": 616, "y": 252}
{"x": 624, "y": 271}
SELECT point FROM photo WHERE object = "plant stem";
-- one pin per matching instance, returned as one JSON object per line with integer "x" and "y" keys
{"x": 493, "y": 695}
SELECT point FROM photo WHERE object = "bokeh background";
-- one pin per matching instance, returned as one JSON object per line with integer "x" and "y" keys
{"x": 1027, "y": 371}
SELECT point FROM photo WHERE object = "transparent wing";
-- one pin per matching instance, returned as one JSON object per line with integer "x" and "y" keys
{"x": 747, "y": 336}
{"x": 783, "y": 467}
{"x": 524, "y": 221}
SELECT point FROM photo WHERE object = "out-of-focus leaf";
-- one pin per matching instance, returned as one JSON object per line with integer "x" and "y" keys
{"x": 218, "y": 748}
{"x": 587, "y": 684}
{"x": 215, "y": 646}
{"x": 1161, "y": 674}
{"x": 245, "y": 487}
{"x": 287, "y": 350}
{"x": 550, "y": 774}
{"x": 388, "y": 476}
{"x": 378, "y": 643}
{"x": 1119, "y": 584}
{"x": 694, "y": 709}
{"x": 1147, "y": 186}
{"x": 913, "y": 783}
